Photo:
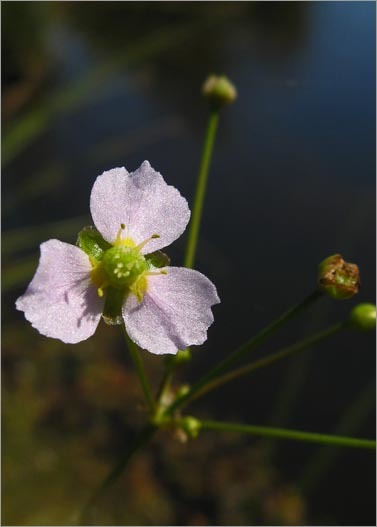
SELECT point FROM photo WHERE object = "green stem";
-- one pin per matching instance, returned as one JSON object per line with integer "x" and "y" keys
{"x": 247, "y": 347}
{"x": 142, "y": 439}
{"x": 194, "y": 227}
{"x": 166, "y": 380}
{"x": 135, "y": 355}
{"x": 265, "y": 361}
{"x": 283, "y": 433}
{"x": 322, "y": 460}
{"x": 201, "y": 189}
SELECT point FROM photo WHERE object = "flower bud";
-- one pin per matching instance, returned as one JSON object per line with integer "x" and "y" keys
{"x": 219, "y": 91}
{"x": 190, "y": 426}
{"x": 182, "y": 391}
{"x": 363, "y": 317}
{"x": 337, "y": 278}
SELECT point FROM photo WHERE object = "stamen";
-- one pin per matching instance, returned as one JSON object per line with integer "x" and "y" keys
{"x": 119, "y": 237}
{"x": 139, "y": 287}
{"x": 142, "y": 244}
{"x": 100, "y": 292}
{"x": 152, "y": 273}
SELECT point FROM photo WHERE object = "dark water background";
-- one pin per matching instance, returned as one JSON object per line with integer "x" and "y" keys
{"x": 90, "y": 86}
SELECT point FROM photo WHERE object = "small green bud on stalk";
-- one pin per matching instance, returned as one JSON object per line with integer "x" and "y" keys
{"x": 190, "y": 426}
{"x": 363, "y": 317}
{"x": 167, "y": 399}
{"x": 219, "y": 91}
{"x": 182, "y": 391}
{"x": 337, "y": 278}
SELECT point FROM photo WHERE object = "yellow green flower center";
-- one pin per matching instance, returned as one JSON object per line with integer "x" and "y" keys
{"x": 123, "y": 266}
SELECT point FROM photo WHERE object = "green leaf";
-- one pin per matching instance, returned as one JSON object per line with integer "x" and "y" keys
{"x": 158, "y": 259}
{"x": 92, "y": 243}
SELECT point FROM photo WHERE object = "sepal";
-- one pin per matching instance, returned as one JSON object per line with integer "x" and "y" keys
{"x": 158, "y": 259}
{"x": 92, "y": 243}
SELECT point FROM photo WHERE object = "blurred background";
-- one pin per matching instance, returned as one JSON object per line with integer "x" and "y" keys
{"x": 92, "y": 86}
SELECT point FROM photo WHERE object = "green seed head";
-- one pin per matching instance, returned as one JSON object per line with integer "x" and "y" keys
{"x": 337, "y": 278}
{"x": 123, "y": 266}
{"x": 219, "y": 91}
{"x": 363, "y": 317}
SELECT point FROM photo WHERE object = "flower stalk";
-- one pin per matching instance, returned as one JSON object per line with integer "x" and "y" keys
{"x": 246, "y": 348}
{"x": 135, "y": 355}
{"x": 165, "y": 383}
{"x": 261, "y": 363}
{"x": 283, "y": 433}
{"x": 201, "y": 187}
{"x": 196, "y": 216}
{"x": 219, "y": 92}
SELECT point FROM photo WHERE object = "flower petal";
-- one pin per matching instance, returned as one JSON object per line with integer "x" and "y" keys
{"x": 143, "y": 202}
{"x": 174, "y": 313}
{"x": 61, "y": 301}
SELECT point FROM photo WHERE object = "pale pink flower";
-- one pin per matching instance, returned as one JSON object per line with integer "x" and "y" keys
{"x": 164, "y": 310}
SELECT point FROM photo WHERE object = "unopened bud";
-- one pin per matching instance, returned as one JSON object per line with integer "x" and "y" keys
{"x": 337, "y": 278}
{"x": 219, "y": 91}
{"x": 363, "y": 317}
{"x": 191, "y": 426}
{"x": 182, "y": 391}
